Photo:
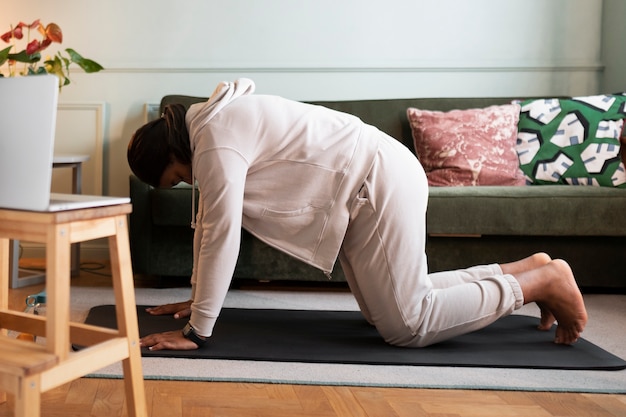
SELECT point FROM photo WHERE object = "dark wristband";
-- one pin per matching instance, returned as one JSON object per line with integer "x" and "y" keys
{"x": 190, "y": 333}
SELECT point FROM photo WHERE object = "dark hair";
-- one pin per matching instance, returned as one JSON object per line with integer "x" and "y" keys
{"x": 156, "y": 144}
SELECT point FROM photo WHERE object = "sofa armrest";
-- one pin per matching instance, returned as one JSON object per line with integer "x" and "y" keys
{"x": 140, "y": 224}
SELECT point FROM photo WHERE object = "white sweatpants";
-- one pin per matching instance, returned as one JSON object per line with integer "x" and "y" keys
{"x": 383, "y": 257}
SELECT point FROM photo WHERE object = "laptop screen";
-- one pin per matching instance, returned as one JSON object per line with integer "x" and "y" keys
{"x": 28, "y": 109}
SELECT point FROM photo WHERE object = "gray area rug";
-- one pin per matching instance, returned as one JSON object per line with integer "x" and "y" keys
{"x": 606, "y": 313}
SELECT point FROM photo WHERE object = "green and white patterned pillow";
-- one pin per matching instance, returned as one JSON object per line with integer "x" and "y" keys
{"x": 572, "y": 141}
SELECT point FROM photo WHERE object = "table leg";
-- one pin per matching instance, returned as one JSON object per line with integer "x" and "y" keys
{"x": 4, "y": 293}
{"x": 28, "y": 398}
{"x": 4, "y": 273}
{"x": 77, "y": 188}
{"x": 58, "y": 290}
{"x": 126, "y": 311}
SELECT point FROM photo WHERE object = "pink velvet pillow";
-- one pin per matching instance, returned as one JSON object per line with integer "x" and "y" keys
{"x": 468, "y": 147}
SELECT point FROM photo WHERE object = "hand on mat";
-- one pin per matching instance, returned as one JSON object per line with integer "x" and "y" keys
{"x": 178, "y": 310}
{"x": 173, "y": 340}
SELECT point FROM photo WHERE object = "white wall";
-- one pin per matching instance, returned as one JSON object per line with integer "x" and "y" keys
{"x": 613, "y": 46}
{"x": 308, "y": 50}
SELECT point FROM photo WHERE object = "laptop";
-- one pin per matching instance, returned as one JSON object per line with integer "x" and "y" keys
{"x": 28, "y": 113}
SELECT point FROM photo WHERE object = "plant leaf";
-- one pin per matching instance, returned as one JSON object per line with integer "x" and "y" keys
{"x": 24, "y": 57}
{"x": 38, "y": 71}
{"x": 86, "y": 64}
{"x": 4, "y": 55}
{"x": 55, "y": 66}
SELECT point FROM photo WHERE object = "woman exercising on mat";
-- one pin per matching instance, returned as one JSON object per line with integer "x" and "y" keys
{"x": 321, "y": 185}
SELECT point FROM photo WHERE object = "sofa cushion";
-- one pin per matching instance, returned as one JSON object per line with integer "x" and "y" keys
{"x": 572, "y": 141}
{"x": 468, "y": 147}
{"x": 550, "y": 210}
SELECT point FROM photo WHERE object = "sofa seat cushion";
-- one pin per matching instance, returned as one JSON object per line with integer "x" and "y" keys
{"x": 550, "y": 210}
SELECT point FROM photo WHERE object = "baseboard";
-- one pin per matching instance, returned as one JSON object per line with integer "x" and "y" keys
{"x": 95, "y": 249}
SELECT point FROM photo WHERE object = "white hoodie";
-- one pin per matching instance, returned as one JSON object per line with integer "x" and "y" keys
{"x": 285, "y": 171}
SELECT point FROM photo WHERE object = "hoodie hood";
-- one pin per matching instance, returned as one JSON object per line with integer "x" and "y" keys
{"x": 224, "y": 94}
{"x": 202, "y": 113}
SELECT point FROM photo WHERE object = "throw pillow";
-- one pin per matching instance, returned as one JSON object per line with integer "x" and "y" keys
{"x": 468, "y": 147}
{"x": 572, "y": 141}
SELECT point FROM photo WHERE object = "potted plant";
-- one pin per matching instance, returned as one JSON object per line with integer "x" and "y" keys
{"x": 27, "y": 60}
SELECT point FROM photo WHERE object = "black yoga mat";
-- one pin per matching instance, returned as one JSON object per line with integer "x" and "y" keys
{"x": 345, "y": 337}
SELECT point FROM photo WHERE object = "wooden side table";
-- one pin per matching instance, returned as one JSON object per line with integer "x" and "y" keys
{"x": 22, "y": 277}
{"x": 102, "y": 346}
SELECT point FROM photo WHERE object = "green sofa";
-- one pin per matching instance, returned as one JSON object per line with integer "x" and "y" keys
{"x": 466, "y": 225}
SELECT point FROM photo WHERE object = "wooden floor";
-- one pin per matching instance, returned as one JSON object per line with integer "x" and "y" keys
{"x": 105, "y": 397}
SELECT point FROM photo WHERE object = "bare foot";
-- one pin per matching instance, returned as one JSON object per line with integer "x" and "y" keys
{"x": 529, "y": 263}
{"x": 554, "y": 289}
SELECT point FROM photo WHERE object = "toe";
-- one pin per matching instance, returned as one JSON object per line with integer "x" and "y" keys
{"x": 566, "y": 336}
